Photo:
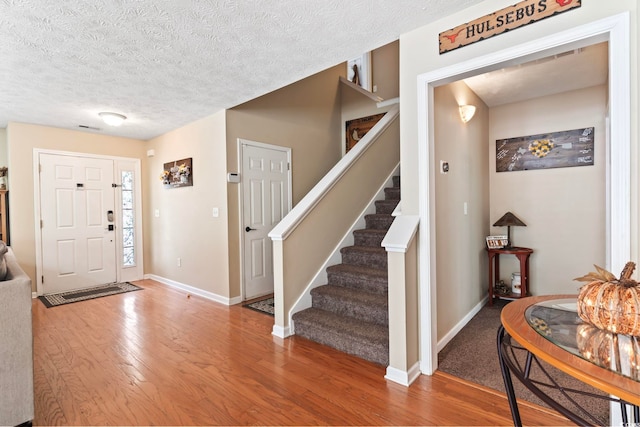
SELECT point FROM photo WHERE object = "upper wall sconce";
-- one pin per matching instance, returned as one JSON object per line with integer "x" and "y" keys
{"x": 112, "y": 119}
{"x": 467, "y": 112}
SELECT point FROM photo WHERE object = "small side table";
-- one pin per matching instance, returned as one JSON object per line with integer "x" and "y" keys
{"x": 494, "y": 271}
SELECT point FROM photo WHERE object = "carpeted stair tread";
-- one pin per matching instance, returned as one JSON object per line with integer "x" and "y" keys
{"x": 365, "y": 255}
{"x": 369, "y": 237}
{"x": 356, "y": 303}
{"x": 358, "y": 277}
{"x": 363, "y": 339}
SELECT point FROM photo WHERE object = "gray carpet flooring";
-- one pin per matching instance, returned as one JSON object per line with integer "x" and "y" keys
{"x": 472, "y": 355}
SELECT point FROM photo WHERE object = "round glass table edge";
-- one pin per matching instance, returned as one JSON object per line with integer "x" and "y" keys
{"x": 557, "y": 321}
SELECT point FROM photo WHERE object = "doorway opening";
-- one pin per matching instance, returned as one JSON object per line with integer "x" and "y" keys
{"x": 615, "y": 31}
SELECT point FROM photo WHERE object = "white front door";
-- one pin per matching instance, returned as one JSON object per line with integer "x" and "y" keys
{"x": 266, "y": 200}
{"x": 78, "y": 240}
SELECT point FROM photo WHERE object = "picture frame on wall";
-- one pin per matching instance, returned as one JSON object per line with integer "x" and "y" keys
{"x": 178, "y": 173}
{"x": 550, "y": 150}
{"x": 359, "y": 71}
{"x": 356, "y": 129}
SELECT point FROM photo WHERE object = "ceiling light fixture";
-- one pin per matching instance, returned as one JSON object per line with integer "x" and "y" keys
{"x": 112, "y": 119}
{"x": 467, "y": 112}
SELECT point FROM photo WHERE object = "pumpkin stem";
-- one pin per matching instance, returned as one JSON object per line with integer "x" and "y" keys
{"x": 625, "y": 276}
{"x": 627, "y": 271}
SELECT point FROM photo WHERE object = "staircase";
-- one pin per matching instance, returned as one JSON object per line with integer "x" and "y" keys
{"x": 350, "y": 313}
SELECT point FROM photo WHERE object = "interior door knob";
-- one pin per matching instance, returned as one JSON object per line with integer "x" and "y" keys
{"x": 248, "y": 228}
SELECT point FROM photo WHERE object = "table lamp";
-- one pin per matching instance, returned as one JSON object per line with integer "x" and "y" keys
{"x": 508, "y": 220}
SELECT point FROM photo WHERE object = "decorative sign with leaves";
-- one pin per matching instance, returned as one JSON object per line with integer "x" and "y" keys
{"x": 545, "y": 151}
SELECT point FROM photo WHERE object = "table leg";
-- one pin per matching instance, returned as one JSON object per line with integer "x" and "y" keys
{"x": 491, "y": 258}
{"x": 508, "y": 383}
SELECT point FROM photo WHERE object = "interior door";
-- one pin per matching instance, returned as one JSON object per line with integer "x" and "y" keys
{"x": 266, "y": 200}
{"x": 77, "y": 222}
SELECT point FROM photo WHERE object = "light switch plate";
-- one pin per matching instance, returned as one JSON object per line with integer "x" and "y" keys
{"x": 444, "y": 167}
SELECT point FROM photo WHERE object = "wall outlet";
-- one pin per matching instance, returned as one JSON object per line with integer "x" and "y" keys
{"x": 179, "y": 262}
{"x": 156, "y": 213}
{"x": 215, "y": 212}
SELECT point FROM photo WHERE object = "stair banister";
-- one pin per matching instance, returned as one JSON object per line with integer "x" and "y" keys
{"x": 379, "y": 151}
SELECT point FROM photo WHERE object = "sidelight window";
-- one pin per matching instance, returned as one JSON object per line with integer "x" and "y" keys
{"x": 128, "y": 214}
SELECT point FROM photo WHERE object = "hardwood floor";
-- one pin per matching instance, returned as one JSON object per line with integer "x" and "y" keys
{"x": 158, "y": 357}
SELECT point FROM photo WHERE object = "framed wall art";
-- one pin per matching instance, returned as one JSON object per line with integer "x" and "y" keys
{"x": 178, "y": 173}
{"x": 546, "y": 151}
{"x": 357, "y": 128}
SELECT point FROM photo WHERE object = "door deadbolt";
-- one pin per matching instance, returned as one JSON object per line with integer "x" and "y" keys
{"x": 110, "y": 216}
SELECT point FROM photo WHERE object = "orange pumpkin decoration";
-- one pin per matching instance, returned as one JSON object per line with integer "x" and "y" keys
{"x": 609, "y": 303}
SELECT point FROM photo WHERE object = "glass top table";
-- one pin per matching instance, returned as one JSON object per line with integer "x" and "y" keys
{"x": 547, "y": 330}
{"x": 557, "y": 320}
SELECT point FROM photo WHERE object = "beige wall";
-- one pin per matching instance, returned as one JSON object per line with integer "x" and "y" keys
{"x": 460, "y": 249}
{"x": 3, "y": 147}
{"x": 385, "y": 70}
{"x": 185, "y": 227}
{"x": 564, "y": 208}
{"x": 22, "y": 139}
{"x": 304, "y": 116}
{"x": 419, "y": 55}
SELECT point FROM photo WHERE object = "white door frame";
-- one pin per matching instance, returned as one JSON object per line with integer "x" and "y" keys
{"x": 615, "y": 30}
{"x": 122, "y": 273}
{"x": 241, "y": 143}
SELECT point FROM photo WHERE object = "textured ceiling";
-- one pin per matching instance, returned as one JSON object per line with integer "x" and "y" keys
{"x": 166, "y": 63}
{"x": 570, "y": 70}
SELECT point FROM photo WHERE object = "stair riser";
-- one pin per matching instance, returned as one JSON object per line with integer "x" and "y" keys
{"x": 375, "y": 260}
{"x": 392, "y": 193}
{"x": 364, "y": 283}
{"x": 373, "y": 239}
{"x": 377, "y": 314}
{"x": 386, "y": 206}
{"x": 396, "y": 181}
{"x": 378, "y": 222}
{"x": 373, "y": 352}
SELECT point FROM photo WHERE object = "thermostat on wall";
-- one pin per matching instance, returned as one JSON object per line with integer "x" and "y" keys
{"x": 233, "y": 177}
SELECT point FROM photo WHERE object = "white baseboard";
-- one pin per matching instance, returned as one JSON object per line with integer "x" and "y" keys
{"x": 195, "y": 291}
{"x": 401, "y": 377}
{"x": 281, "y": 332}
{"x": 461, "y": 324}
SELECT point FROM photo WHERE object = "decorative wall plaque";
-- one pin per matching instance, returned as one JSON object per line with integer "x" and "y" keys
{"x": 512, "y": 17}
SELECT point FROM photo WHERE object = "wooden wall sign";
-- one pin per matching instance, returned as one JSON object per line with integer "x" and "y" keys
{"x": 358, "y": 128}
{"x": 563, "y": 149}
{"x": 524, "y": 13}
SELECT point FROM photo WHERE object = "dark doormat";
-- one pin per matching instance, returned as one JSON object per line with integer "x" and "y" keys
{"x": 54, "y": 300}
{"x": 263, "y": 306}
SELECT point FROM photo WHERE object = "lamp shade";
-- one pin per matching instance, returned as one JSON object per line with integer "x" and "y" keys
{"x": 509, "y": 219}
{"x": 467, "y": 112}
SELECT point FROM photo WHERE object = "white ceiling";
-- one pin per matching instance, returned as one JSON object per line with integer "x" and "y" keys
{"x": 166, "y": 63}
{"x": 571, "y": 70}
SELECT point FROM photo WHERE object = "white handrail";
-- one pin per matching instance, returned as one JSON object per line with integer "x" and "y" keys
{"x": 311, "y": 199}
